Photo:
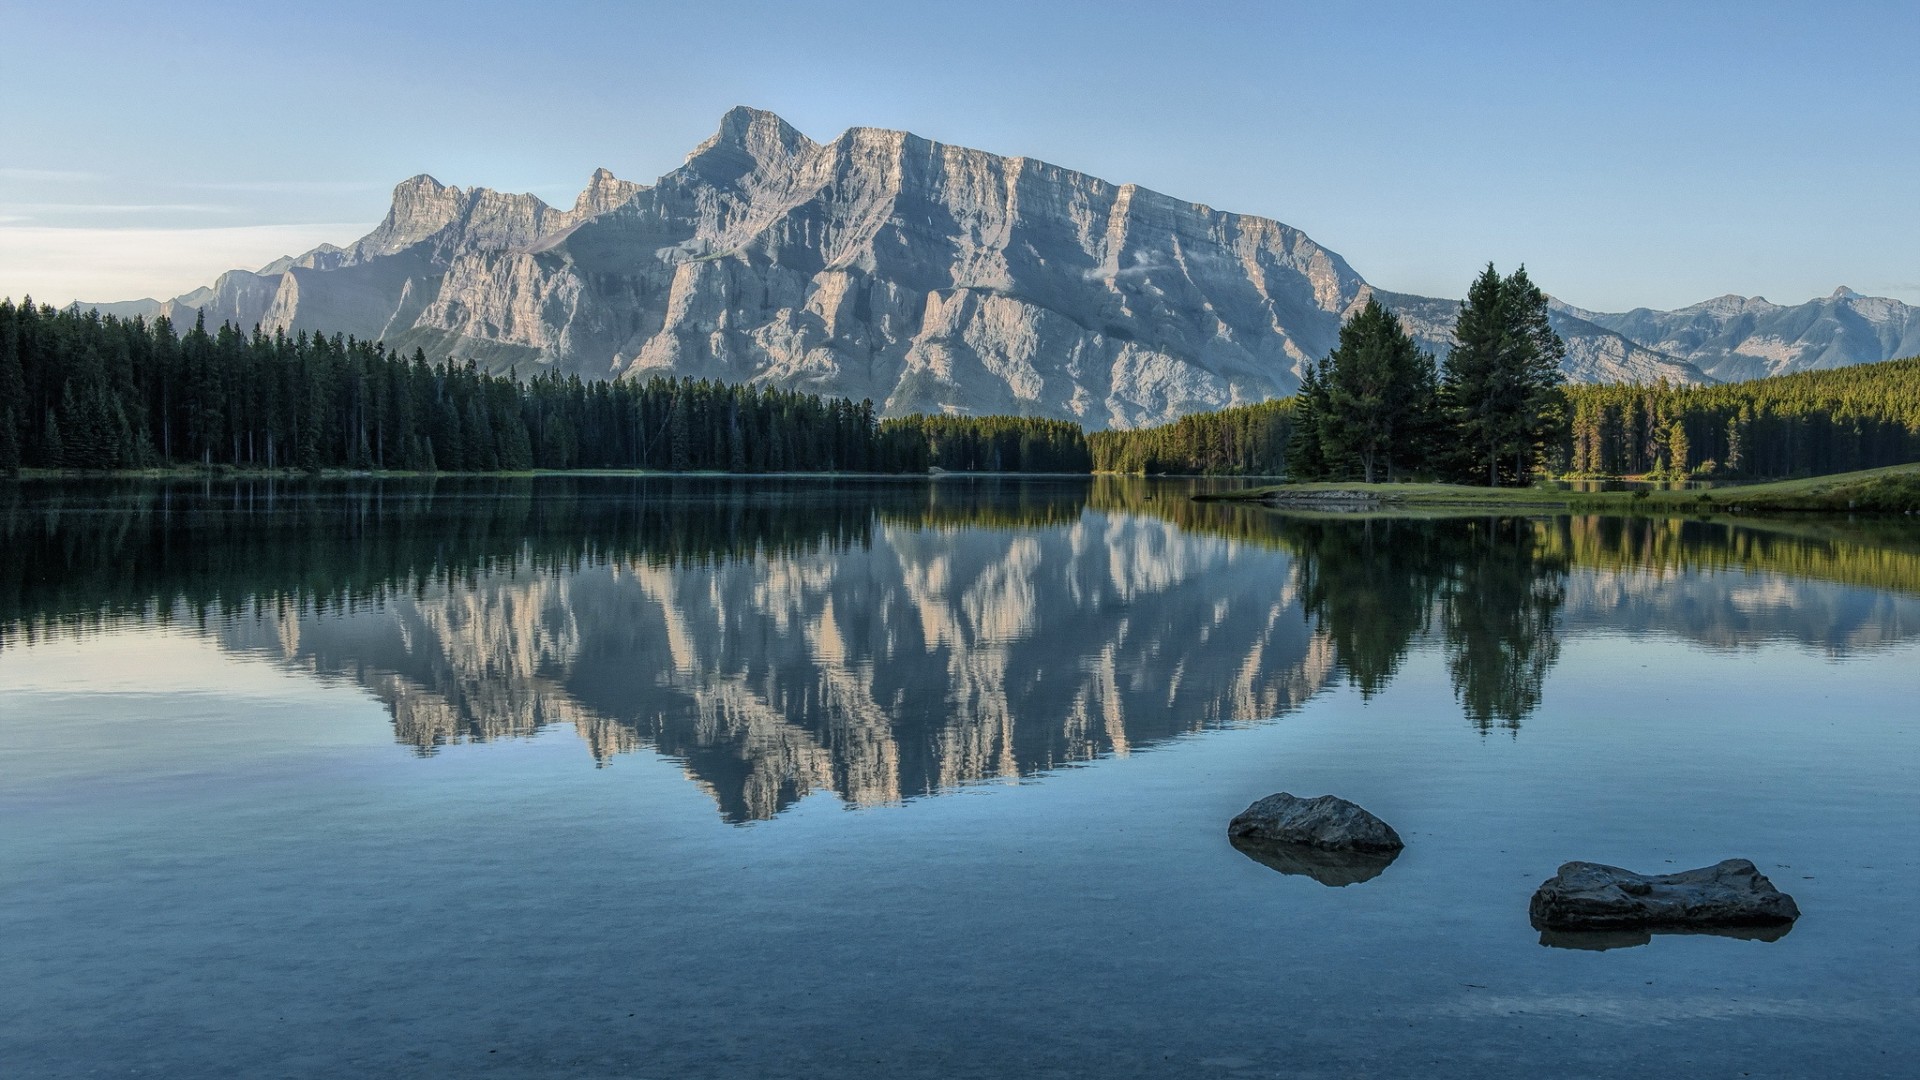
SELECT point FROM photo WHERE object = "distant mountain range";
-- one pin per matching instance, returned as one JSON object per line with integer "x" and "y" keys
{"x": 928, "y": 277}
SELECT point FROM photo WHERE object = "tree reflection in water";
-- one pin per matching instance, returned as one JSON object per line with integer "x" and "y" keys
{"x": 887, "y": 639}
{"x": 1495, "y": 585}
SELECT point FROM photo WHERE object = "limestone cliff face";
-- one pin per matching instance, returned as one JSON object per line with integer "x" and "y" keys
{"x": 924, "y": 276}
{"x": 878, "y": 265}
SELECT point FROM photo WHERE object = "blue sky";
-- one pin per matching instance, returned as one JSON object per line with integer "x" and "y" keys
{"x": 1630, "y": 155}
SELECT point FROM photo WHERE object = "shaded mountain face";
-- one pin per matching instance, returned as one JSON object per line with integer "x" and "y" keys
{"x": 927, "y": 277}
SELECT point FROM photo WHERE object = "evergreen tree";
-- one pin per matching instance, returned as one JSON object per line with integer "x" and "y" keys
{"x": 1679, "y": 450}
{"x": 1306, "y": 448}
{"x": 9, "y": 443}
{"x": 13, "y": 392}
{"x": 1502, "y": 375}
{"x": 205, "y": 395}
{"x": 53, "y": 447}
{"x": 1736, "y": 457}
{"x": 680, "y": 432}
{"x": 1379, "y": 394}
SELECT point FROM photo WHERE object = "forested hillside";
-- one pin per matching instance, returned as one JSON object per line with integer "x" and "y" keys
{"x": 86, "y": 391}
{"x": 1246, "y": 440}
{"x": 992, "y": 443}
{"x": 1814, "y": 422}
{"x": 1811, "y": 423}
{"x": 83, "y": 391}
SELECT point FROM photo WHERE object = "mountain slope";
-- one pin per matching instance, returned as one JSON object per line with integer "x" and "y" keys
{"x": 1740, "y": 337}
{"x": 1594, "y": 353}
{"x": 927, "y": 277}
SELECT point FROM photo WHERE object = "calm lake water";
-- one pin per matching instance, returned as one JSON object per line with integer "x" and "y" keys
{"x": 704, "y": 777}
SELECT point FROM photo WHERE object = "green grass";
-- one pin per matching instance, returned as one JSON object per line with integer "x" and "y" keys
{"x": 1894, "y": 489}
{"x": 1891, "y": 490}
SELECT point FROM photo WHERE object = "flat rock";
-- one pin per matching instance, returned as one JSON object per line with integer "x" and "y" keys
{"x": 1592, "y": 896}
{"x": 1325, "y": 823}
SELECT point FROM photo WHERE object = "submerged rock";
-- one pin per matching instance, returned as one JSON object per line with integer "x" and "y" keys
{"x": 1591, "y": 896}
{"x": 1325, "y": 823}
{"x": 1334, "y": 868}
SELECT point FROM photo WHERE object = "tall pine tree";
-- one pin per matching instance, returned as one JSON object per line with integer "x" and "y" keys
{"x": 13, "y": 391}
{"x": 1502, "y": 376}
{"x": 1378, "y": 396}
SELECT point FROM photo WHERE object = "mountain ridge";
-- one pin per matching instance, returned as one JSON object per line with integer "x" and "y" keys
{"x": 926, "y": 276}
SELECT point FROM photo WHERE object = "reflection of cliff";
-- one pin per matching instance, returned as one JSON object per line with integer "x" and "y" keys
{"x": 883, "y": 638}
{"x": 929, "y": 658}
{"x": 451, "y": 663}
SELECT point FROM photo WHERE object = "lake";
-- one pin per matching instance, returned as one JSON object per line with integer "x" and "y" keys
{"x": 784, "y": 777}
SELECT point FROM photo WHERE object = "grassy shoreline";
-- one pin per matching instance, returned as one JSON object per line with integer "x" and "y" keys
{"x": 1894, "y": 489}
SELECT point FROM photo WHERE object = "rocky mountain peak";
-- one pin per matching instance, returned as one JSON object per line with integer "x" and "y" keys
{"x": 420, "y": 182}
{"x": 1724, "y": 307}
{"x": 604, "y": 192}
{"x": 747, "y": 141}
{"x": 421, "y": 207}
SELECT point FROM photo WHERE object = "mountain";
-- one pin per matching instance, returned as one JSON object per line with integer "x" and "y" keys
{"x": 926, "y": 277}
{"x": 1746, "y": 337}
{"x": 1595, "y": 354}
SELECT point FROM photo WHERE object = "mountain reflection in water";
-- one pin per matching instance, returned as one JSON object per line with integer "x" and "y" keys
{"x": 888, "y": 639}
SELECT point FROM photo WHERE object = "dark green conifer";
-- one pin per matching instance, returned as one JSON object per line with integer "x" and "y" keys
{"x": 1501, "y": 376}
{"x": 1378, "y": 390}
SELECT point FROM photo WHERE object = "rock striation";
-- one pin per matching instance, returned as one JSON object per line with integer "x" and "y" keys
{"x": 927, "y": 277}
{"x": 1592, "y": 896}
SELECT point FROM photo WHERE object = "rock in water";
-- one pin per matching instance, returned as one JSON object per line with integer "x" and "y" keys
{"x": 1331, "y": 868}
{"x": 1326, "y": 823}
{"x": 1590, "y": 896}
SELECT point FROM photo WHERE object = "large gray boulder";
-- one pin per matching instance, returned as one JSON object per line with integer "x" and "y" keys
{"x": 1325, "y": 823}
{"x": 1592, "y": 896}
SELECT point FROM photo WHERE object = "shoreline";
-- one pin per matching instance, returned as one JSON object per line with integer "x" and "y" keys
{"x": 1892, "y": 490}
{"x": 1888, "y": 491}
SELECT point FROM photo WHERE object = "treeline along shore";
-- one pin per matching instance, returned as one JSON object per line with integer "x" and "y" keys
{"x": 81, "y": 391}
